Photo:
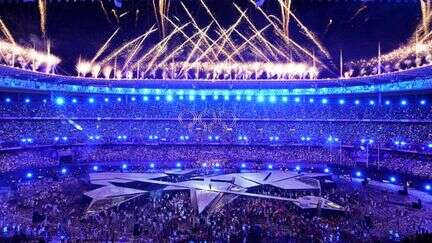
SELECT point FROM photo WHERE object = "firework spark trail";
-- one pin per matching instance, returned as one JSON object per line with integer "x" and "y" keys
{"x": 361, "y": 9}
{"x": 175, "y": 51}
{"x": 225, "y": 37}
{"x": 195, "y": 48}
{"x": 185, "y": 35}
{"x": 6, "y": 32}
{"x": 122, "y": 48}
{"x": 268, "y": 45}
{"x": 105, "y": 11}
{"x": 242, "y": 46}
{"x": 115, "y": 15}
{"x": 136, "y": 17}
{"x": 136, "y": 49}
{"x": 288, "y": 40}
{"x": 230, "y": 42}
{"x": 309, "y": 33}
{"x": 195, "y": 25}
{"x": 254, "y": 47}
{"x": 158, "y": 47}
{"x": 42, "y": 4}
{"x": 123, "y": 14}
{"x": 104, "y": 46}
{"x": 286, "y": 12}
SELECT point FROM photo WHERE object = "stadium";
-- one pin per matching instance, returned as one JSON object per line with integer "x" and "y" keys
{"x": 215, "y": 121}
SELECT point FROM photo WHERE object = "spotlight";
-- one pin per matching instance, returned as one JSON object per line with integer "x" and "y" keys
{"x": 243, "y": 165}
{"x": 326, "y": 170}
{"x": 341, "y": 102}
{"x": 272, "y": 99}
{"x": 260, "y": 98}
{"x": 248, "y": 98}
{"x": 297, "y": 168}
{"x": 203, "y": 97}
{"x": 27, "y": 100}
{"x": 238, "y": 97}
{"x": 59, "y": 101}
{"x": 358, "y": 174}
{"x": 215, "y": 97}
{"x": 387, "y": 102}
{"x": 124, "y": 166}
{"x": 403, "y": 102}
{"x": 152, "y": 165}
{"x": 8, "y": 100}
{"x": 178, "y": 164}
{"x": 371, "y": 102}
{"x": 204, "y": 164}
{"x": 357, "y": 102}
{"x": 63, "y": 171}
{"x": 284, "y": 99}
{"x": 324, "y": 101}
{"x": 392, "y": 179}
{"x": 145, "y": 98}
{"x": 423, "y": 102}
{"x": 169, "y": 98}
{"x": 297, "y": 99}
{"x": 191, "y": 97}
{"x": 270, "y": 167}
{"x": 157, "y": 98}
{"x": 428, "y": 187}
{"x": 29, "y": 175}
{"x": 91, "y": 100}
{"x": 119, "y": 99}
{"x": 95, "y": 167}
{"x": 311, "y": 100}
{"x": 74, "y": 101}
{"x": 133, "y": 99}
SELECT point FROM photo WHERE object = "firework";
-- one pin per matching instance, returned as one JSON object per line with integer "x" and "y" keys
{"x": 43, "y": 16}
{"x": 6, "y": 31}
{"x": 104, "y": 46}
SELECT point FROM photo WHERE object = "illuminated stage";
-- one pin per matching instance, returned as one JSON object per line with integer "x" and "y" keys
{"x": 208, "y": 190}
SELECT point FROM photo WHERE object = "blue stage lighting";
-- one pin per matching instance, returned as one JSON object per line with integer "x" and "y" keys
{"x": 238, "y": 97}
{"x": 430, "y": 145}
{"x": 403, "y": 102}
{"x": 178, "y": 164}
{"x": 157, "y": 98}
{"x": 182, "y": 138}
{"x": 124, "y": 166}
{"x": 152, "y": 165}
{"x": 270, "y": 167}
{"x": 217, "y": 137}
{"x": 187, "y": 137}
{"x": 243, "y": 165}
{"x": 245, "y": 138}
{"x": 145, "y": 98}
{"x": 297, "y": 99}
{"x": 357, "y": 102}
{"x": 297, "y": 168}
{"x": 226, "y": 97}
{"x": 403, "y": 143}
{"x": 106, "y": 100}
{"x": 371, "y": 102}
{"x": 59, "y": 101}
{"x": 44, "y": 101}
{"x": 210, "y": 138}
{"x": 95, "y": 167}
{"x": 217, "y": 165}
{"x": 311, "y": 100}
{"x": 260, "y": 98}
{"x": 284, "y": 99}
{"x": 191, "y": 97}
{"x": 29, "y": 175}
{"x": 363, "y": 140}
{"x": 358, "y": 174}
{"x": 27, "y": 100}
{"x": 133, "y": 98}
{"x": 204, "y": 164}
{"x": 8, "y": 100}
{"x": 181, "y": 97}
{"x": 392, "y": 179}
{"x": 74, "y": 101}
{"x": 341, "y": 101}
{"x": 215, "y": 97}
{"x": 326, "y": 170}
{"x": 239, "y": 138}
{"x": 63, "y": 171}
{"x": 203, "y": 97}
{"x": 272, "y": 99}
{"x": 248, "y": 98}
{"x": 308, "y": 138}
{"x": 371, "y": 141}
{"x": 423, "y": 102}
{"x": 119, "y": 99}
{"x": 397, "y": 142}
{"x": 428, "y": 187}
{"x": 64, "y": 139}
{"x": 91, "y": 100}
{"x": 336, "y": 139}
{"x": 56, "y": 139}
{"x": 169, "y": 98}
{"x": 303, "y": 138}
{"x": 324, "y": 101}
{"x": 387, "y": 102}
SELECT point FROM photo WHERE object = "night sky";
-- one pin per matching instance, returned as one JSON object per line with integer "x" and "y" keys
{"x": 79, "y": 29}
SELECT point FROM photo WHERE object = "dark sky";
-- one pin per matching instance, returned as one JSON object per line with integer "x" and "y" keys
{"x": 79, "y": 29}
